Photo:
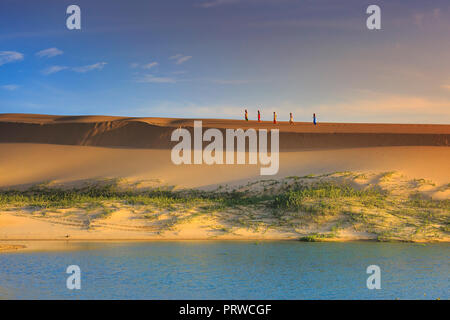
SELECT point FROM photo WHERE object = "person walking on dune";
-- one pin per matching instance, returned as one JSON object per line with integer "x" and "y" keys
{"x": 259, "y": 116}
{"x": 314, "y": 119}
{"x": 246, "y": 115}
{"x": 291, "y": 118}
{"x": 275, "y": 118}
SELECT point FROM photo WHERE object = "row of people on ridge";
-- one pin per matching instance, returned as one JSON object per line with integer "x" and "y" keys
{"x": 291, "y": 117}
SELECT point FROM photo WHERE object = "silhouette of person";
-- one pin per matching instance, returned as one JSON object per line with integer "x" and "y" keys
{"x": 314, "y": 119}
{"x": 246, "y": 115}
{"x": 291, "y": 118}
{"x": 274, "y": 117}
{"x": 259, "y": 116}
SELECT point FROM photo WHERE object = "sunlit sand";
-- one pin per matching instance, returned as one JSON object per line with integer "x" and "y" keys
{"x": 134, "y": 153}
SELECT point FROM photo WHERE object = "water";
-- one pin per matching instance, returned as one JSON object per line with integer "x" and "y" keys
{"x": 229, "y": 270}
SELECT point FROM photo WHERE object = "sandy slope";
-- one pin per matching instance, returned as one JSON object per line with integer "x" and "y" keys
{"x": 226, "y": 123}
{"x": 36, "y": 148}
{"x": 22, "y": 165}
{"x": 25, "y": 164}
{"x": 69, "y": 150}
{"x": 154, "y": 133}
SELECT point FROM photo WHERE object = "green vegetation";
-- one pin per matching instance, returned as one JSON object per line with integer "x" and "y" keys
{"x": 316, "y": 237}
{"x": 316, "y": 207}
{"x": 323, "y": 196}
{"x": 94, "y": 196}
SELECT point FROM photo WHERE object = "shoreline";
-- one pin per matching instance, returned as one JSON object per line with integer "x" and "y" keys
{"x": 33, "y": 245}
{"x": 335, "y": 207}
{"x": 11, "y": 247}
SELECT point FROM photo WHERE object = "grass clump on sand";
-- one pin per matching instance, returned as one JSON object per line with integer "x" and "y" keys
{"x": 332, "y": 206}
{"x": 316, "y": 237}
{"x": 327, "y": 197}
{"x": 92, "y": 195}
{"x": 100, "y": 201}
{"x": 314, "y": 207}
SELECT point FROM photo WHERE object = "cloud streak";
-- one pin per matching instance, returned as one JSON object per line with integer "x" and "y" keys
{"x": 49, "y": 53}
{"x": 82, "y": 69}
{"x": 180, "y": 58}
{"x": 91, "y": 67}
{"x": 150, "y": 65}
{"x": 54, "y": 69}
{"x": 9, "y": 57}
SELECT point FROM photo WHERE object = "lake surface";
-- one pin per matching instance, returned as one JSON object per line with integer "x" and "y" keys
{"x": 228, "y": 270}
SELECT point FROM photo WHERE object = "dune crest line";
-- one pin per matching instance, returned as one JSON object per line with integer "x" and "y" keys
{"x": 155, "y": 133}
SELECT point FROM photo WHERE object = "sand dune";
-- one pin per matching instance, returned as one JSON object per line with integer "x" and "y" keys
{"x": 71, "y": 150}
{"x": 26, "y": 164}
{"x": 227, "y": 123}
{"x": 154, "y": 133}
{"x": 37, "y": 148}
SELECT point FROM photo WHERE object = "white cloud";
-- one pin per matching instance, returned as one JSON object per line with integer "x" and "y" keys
{"x": 82, "y": 69}
{"x": 144, "y": 66}
{"x": 49, "y": 53}
{"x": 149, "y": 78}
{"x": 53, "y": 69}
{"x": 10, "y": 87}
{"x": 10, "y": 56}
{"x": 96, "y": 66}
{"x": 150, "y": 65}
{"x": 183, "y": 59}
{"x": 179, "y": 58}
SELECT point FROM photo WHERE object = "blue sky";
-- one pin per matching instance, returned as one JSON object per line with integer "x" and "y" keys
{"x": 213, "y": 58}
